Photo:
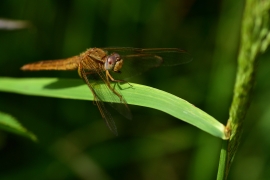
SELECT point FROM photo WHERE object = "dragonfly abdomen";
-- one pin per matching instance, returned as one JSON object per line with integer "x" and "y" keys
{"x": 61, "y": 64}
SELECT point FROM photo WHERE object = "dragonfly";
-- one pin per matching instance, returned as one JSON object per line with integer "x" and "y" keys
{"x": 97, "y": 65}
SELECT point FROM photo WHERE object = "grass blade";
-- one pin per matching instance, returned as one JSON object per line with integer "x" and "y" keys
{"x": 137, "y": 95}
{"x": 9, "y": 123}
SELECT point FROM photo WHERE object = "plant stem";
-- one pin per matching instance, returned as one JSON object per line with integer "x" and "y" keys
{"x": 254, "y": 40}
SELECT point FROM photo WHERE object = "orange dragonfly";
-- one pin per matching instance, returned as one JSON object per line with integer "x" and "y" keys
{"x": 96, "y": 65}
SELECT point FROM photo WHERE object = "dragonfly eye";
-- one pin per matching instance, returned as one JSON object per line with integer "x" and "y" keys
{"x": 113, "y": 62}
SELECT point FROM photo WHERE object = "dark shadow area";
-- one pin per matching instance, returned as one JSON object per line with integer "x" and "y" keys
{"x": 64, "y": 83}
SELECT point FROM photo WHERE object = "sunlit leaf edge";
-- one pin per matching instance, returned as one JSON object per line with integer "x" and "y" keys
{"x": 10, "y": 124}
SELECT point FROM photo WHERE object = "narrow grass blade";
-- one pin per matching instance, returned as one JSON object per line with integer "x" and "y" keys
{"x": 9, "y": 123}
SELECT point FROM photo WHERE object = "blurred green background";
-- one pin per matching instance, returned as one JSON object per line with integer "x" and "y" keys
{"x": 74, "y": 142}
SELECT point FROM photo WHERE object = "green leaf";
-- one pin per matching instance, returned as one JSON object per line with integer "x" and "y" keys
{"x": 137, "y": 95}
{"x": 9, "y": 123}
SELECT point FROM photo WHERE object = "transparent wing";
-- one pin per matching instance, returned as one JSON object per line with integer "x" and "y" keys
{"x": 136, "y": 64}
{"x": 108, "y": 94}
{"x": 112, "y": 97}
{"x": 170, "y": 56}
{"x": 137, "y": 61}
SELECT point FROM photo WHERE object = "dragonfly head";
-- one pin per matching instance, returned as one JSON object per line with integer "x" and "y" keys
{"x": 113, "y": 62}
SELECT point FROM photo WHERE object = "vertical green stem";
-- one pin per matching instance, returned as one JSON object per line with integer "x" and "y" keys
{"x": 254, "y": 40}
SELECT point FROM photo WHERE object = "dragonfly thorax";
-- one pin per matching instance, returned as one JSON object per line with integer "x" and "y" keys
{"x": 113, "y": 62}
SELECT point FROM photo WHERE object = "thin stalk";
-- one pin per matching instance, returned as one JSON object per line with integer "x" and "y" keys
{"x": 255, "y": 38}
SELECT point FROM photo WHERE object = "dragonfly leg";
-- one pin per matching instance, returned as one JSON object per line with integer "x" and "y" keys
{"x": 109, "y": 77}
{"x": 79, "y": 70}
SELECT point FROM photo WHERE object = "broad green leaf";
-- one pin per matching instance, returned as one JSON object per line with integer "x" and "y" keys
{"x": 9, "y": 123}
{"x": 137, "y": 95}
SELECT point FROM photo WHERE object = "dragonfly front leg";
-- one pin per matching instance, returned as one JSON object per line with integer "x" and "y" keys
{"x": 110, "y": 78}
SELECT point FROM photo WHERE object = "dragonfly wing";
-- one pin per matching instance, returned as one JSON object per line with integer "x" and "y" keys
{"x": 136, "y": 64}
{"x": 103, "y": 111}
{"x": 107, "y": 94}
{"x": 137, "y": 61}
{"x": 113, "y": 97}
{"x": 170, "y": 56}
